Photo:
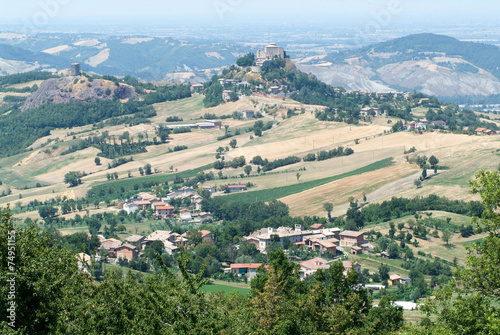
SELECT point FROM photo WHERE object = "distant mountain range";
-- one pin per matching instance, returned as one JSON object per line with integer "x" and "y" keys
{"x": 150, "y": 59}
{"x": 432, "y": 64}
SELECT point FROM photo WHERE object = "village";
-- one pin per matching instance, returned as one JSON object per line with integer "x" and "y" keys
{"x": 331, "y": 244}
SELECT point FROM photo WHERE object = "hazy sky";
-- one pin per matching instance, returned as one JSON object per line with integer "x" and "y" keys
{"x": 217, "y": 12}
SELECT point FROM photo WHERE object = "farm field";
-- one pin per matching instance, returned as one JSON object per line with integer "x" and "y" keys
{"x": 353, "y": 175}
{"x": 310, "y": 202}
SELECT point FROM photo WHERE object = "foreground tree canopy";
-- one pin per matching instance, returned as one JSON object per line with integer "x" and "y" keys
{"x": 469, "y": 304}
{"x": 54, "y": 297}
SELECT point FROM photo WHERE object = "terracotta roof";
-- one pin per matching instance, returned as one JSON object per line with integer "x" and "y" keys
{"x": 395, "y": 277}
{"x": 159, "y": 235}
{"x": 316, "y": 263}
{"x": 158, "y": 203}
{"x": 246, "y": 265}
{"x": 317, "y": 226}
{"x": 146, "y": 195}
{"x": 356, "y": 248}
{"x": 164, "y": 207}
{"x": 111, "y": 243}
{"x": 205, "y": 233}
{"x": 326, "y": 244}
{"x": 142, "y": 202}
{"x": 351, "y": 233}
{"x": 127, "y": 246}
{"x": 237, "y": 186}
{"x": 134, "y": 238}
{"x": 481, "y": 129}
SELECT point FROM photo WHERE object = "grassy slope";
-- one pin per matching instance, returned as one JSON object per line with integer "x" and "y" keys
{"x": 436, "y": 246}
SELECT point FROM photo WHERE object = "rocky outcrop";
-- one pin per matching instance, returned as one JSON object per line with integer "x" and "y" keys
{"x": 68, "y": 89}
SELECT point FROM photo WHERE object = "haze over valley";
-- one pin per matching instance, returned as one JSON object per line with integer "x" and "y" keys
{"x": 249, "y": 167}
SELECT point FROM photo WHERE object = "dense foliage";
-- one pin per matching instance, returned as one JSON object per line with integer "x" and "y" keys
{"x": 20, "y": 129}
{"x": 168, "y": 93}
{"x": 26, "y": 77}
{"x": 247, "y": 60}
{"x": 213, "y": 93}
{"x": 457, "y": 118}
{"x": 268, "y": 166}
{"x": 108, "y": 150}
{"x": 54, "y": 297}
{"x": 398, "y": 207}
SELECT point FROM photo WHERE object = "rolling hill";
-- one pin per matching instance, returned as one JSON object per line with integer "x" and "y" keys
{"x": 432, "y": 64}
{"x": 150, "y": 59}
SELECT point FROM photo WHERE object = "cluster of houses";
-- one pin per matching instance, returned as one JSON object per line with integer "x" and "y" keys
{"x": 162, "y": 209}
{"x": 131, "y": 248}
{"x": 317, "y": 238}
{"x": 422, "y": 124}
{"x": 307, "y": 268}
{"x": 485, "y": 131}
{"x": 380, "y": 94}
{"x": 273, "y": 90}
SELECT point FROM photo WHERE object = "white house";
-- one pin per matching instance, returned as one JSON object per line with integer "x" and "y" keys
{"x": 130, "y": 208}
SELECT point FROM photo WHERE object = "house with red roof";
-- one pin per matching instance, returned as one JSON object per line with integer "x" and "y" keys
{"x": 143, "y": 204}
{"x": 308, "y": 268}
{"x": 155, "y": 204}
{"x": 164, "y": 211}
{"x": 206, "y": 236}
{"x": 126, "y": 251}
{"x": 349, "y": 238}
{"x": 317, "y": 226}
{"x": 246, "y": 269}
{"x": 481, "y": 131}
{"x": 236, "y": 188}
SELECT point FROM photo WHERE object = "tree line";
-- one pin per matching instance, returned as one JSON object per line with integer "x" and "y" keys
{"x": 399, "y": 207}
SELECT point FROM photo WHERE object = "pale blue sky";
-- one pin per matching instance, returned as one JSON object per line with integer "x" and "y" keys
{"x": 244, "y": 11}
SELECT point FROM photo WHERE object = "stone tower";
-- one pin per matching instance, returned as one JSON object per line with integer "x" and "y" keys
{"x": 75, "y": 69}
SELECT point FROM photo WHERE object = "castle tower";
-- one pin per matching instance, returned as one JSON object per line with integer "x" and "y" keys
{"x": 75, "y": 69}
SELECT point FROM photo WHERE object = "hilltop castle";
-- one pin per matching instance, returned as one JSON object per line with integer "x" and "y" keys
{"x": 271, "y": 51}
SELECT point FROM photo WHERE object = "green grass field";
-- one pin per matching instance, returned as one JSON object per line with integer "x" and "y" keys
{"x": 11, "y": 178}
{"x": 372, "y": 263}
{"x": 280, "y": 192}
{"x": 128, "y": 184}
{"x": 224, "y": 288}
{"x": 124, "y": 271}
